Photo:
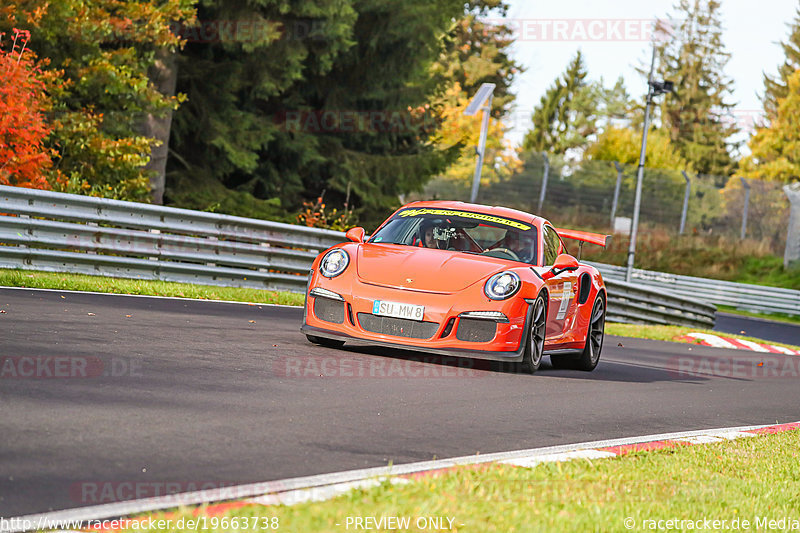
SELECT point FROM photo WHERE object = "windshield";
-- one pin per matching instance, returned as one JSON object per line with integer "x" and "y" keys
{"x": 461, "y": 231}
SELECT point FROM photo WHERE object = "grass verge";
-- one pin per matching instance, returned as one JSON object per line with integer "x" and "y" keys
{"x": 670, "y": 333}
{"x": 80, "y": 282}
{"x": 753, "y": 479}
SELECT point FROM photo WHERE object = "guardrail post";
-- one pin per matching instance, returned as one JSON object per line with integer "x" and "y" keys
{"x": 29, "y": 229}
{"x": 746, "y": 206}
{"x": 685, "y": 202}
{"x": 155, "y": 232}
{"x": 792, "y": 252}
{"x": 545, "y": 175}
{"x": 616, "y": 193}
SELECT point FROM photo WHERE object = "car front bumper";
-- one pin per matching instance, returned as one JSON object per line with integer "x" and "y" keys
{"x": 351, "y": 320}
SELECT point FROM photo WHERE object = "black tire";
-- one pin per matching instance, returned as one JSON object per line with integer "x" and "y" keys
{"x": 594, "y": 338}
{"x": 534, "y": 345}
{"x": 590, "y": 356}
{"x": 323, "y": 341}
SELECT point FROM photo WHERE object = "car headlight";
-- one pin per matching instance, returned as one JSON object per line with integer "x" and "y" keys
{"x": 334, "y": 263}
{"x": 502, "y": 285}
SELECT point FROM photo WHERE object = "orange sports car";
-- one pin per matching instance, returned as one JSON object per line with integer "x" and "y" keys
{"x": 461, "y": 279}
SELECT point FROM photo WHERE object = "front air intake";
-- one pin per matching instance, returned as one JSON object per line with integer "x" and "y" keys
{"x": 475, "y": 330}
{"x": 329, "y": 310}
{"x": 398, "y": 327}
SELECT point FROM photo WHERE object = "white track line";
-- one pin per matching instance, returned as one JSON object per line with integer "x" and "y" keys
{"x": 319, "y": 494}
{"x": 127, "y": 508}
{"x": 529, "y": 462}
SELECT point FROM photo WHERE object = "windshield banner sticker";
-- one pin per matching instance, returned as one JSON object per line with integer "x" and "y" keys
{"x": 464, "y": 214}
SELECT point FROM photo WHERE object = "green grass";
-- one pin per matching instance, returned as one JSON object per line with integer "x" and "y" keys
{"x": 749, "y": 479}
{"x": 80, "y": 282}
{"x": 670, "y": 333}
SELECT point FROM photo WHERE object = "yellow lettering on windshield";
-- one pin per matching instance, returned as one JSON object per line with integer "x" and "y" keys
{"x": 464, "y": 214}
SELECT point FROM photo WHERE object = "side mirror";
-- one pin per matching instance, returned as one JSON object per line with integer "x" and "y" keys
{"x": 564, "y": 263}
{"x": 355, "y": 234}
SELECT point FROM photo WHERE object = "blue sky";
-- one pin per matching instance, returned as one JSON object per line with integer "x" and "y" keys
{"x": 612, "y": 36}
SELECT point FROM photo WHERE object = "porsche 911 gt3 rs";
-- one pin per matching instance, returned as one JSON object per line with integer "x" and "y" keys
{"x": 465, "y": 280}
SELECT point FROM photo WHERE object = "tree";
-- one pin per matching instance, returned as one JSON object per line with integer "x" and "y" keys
{"x": 476, "y": 52}
{"x": 101, "y": 50}
{"x": 775, "y": 149}
{"x": 462, "y": 132}
{"x": 697, "y": 115}
{"x": 566, "y": 114}
{"x": 23, "y": 102}
{"x": 329, "y": 96}
{"x": 574, "y": 110}
{"x": 778, "y": 87}
{"x": 623, "y": 145}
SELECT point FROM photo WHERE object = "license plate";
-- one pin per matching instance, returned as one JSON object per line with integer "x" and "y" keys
{"x": 398, "y": 310}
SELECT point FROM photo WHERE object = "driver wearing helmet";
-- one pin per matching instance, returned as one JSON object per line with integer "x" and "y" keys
{"x": 519, "y": 242}
{"x": 426, "y": 232}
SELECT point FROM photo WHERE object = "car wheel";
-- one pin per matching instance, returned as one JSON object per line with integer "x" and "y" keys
{"x": 534, "y": 348}
{"x": 590, "y": 356}
{"x": 594, "y": 338}
{"x": 323, "y": 341}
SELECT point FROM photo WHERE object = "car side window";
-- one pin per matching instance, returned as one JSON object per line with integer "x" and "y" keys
{"x": 552, "y": 244}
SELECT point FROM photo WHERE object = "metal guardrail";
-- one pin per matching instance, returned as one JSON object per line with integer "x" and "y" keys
{"x": 631, "y": 304}
{"x": 758, "y": 298}
{"x": 70, "y": 233}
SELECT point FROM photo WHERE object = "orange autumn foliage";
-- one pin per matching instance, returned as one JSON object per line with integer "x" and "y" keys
{"x": 23, "y": 158}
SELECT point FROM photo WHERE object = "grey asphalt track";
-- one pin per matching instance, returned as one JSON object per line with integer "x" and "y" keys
{"x": 99, "y": 406}
{"x": 756, "y": 327}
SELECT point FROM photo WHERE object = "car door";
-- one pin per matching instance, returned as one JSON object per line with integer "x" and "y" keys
{"x": 562, "y": 289}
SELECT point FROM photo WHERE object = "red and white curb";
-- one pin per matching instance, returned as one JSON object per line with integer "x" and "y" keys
{"x": 325, "y": 486}
{"x": 708, "y": 339}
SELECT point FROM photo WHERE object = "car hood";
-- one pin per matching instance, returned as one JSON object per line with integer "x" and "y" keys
{"x": 423, "y": 269}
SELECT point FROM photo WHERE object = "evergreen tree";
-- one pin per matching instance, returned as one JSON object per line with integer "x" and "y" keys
{"x": 566, "y": 114}
{"x": 697, "y": 115}
{"x": 777, "y": 87}
{"x": 614, "y": 104}
{"x": 330, "y": 96}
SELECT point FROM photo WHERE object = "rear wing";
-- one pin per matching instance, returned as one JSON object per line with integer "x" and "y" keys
{"x": 584, "y": 236}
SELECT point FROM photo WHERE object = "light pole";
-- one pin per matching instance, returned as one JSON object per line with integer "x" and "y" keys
{"x": 544, "y": 182}
{"x": 481, "y": 101}
{"x": 746, "y": 187}
{"x": 654, "y": 88}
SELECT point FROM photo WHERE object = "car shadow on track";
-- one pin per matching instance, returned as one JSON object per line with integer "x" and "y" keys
{"x": 377, "y": 361}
